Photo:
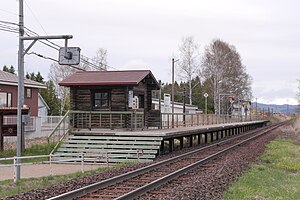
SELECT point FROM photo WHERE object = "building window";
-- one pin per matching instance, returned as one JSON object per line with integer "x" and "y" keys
{"x": 141, "y": 101}
{"x": 100, "y": 99}
{"x": 5, "y": 99}
{"x": 28, "y": 92}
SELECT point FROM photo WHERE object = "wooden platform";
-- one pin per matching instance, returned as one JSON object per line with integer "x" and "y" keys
{"x": 119, "y": 145}
{"x": 168, "y": 133}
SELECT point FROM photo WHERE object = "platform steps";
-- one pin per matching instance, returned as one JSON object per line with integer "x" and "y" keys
{"x": 108, "y": 149}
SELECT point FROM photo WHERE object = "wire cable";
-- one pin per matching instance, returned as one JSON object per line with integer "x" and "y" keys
{"x": 35, "y": 16}
{"x": 7, "y": 30}
{"x": 29, "y": 32}
{"x": 9, "y": 12}
{"x": 49, "y": 58}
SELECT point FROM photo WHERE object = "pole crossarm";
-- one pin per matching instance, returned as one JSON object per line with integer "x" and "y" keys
{"x": 27, "y": 49}
{"x": 50, "y": 37}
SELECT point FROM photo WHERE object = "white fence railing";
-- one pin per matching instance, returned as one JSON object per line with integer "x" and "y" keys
{"x": 79, "y": 158}
{"x": 39, "y": 126}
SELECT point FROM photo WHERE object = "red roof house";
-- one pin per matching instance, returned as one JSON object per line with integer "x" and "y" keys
{"x": 9, "y": 92}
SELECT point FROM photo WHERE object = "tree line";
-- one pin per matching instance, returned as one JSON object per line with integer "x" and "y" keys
{"x": 218, "y": 71}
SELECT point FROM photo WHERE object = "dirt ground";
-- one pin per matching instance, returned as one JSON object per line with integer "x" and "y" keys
{"x": 40, "y": 170}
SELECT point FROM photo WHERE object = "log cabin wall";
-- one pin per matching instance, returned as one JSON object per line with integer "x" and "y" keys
{"x": 82, "y": 97}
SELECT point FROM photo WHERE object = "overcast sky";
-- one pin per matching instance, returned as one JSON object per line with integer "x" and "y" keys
{"x": 141, "y": 34}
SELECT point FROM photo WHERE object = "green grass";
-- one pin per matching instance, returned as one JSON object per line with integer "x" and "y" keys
{"x": 283, "y": 154}
{"x": 9, "y": 188}
{"x": 42, "y": 149}
{"x": 276, "y": 177}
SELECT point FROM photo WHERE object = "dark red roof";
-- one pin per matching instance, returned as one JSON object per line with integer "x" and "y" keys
{"x": 128, "y": 77}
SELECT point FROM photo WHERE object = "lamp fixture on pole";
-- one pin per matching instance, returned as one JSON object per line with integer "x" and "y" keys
{"x": 205, "y": 95}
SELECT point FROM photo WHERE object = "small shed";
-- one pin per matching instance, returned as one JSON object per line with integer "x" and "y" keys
{"x": 112, "y": 91}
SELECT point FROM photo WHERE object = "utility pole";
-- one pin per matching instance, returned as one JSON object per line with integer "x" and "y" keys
{"x": 173, "y": 92}
{"x": 68, "y": 56}
{"x": 173, "y": 80}
{"x": 20, "y": 87}
{"x": 159, "y": 105}
{"x": 184, "y": 93}
{"x": 256, "y": 109}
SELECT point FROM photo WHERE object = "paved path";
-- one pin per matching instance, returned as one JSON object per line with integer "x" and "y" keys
{"x": 40, "y": 170}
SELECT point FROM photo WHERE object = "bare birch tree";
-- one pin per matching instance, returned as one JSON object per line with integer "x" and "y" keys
{"x": 100, "y": 60}
{"x": 222, "y": 66}
{"x": 56, "y": 74}
{"x": 188, "y": 66}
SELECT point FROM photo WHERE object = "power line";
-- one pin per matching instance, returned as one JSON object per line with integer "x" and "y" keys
{"x": 8, "y": 30}
{"x": 83, "y": 58}
{"x": 7, "y": 26}
{"x": 35, "y": 17}
{"x": 29, "y": 32}
{"x": 6, "y": 22}
{"x": 49, "y": 58}
{"x": 9, "y": 12}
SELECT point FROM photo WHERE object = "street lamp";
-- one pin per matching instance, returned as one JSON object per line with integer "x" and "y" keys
{"x": 173, "y": 82}
{"x": 205, "y": 95}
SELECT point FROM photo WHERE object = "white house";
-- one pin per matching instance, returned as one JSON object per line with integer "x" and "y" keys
{"x": 178, "y": 107}
{"x": 42, "y": 106}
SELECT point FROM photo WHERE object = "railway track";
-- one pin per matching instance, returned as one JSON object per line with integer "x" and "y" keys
{"x": 135, "y": 183}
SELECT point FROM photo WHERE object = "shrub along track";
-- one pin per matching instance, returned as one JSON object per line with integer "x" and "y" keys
{"x": 208, "y": 181}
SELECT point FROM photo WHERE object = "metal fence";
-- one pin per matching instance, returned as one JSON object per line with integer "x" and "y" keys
{"x": 80, "y": 158}
{"x": 74, "y": 158}
{"x": 187, "y": 119}
{"x": 102, "y": 119}
{"x": 36, "y": 124}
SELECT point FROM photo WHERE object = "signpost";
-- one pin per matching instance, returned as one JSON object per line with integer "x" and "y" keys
{"x": 69, "y": 56}
{"x": 167, "y": 103}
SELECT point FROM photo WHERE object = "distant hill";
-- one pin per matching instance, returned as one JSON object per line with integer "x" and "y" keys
{"x": 287, "y": 109}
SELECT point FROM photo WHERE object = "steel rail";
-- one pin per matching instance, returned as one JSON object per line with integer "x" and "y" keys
{"x": 150, "y": 186}
{"x": 116, "y": 179}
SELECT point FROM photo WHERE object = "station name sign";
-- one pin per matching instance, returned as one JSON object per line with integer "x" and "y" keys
{"x": 9, "y": 130}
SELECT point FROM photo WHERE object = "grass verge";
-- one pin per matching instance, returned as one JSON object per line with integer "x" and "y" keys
{"x": 277, "y": 176}
{"x": 42, "y": 149}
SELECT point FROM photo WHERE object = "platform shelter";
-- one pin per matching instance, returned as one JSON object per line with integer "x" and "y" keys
{"x": 112, "y": 99}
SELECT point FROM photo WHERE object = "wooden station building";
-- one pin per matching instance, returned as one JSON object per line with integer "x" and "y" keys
{"x": 112, "y": 91}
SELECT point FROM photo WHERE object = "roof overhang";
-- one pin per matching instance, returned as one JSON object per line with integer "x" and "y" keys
{"x": 97, "y": 83}
{"x": 25, "y": 84}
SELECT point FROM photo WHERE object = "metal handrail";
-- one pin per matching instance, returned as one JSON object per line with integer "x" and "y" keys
{"x": 104, "y": 112}
{"x": 189, "y": 119}
{"x": 57, "y": 126}
{"x": 57, "y": 144}
{"x": 54, "y": 130}
{"x": 104, "y": 119}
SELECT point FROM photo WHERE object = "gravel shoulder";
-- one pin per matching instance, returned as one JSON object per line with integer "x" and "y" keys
{"x": 207, "y": 182}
